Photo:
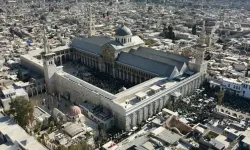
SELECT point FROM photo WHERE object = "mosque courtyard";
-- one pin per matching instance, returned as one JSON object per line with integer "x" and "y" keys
{"x": 99, "y": 79}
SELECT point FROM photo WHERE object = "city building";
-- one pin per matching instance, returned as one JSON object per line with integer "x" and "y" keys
{"x": 12, "y": 136}
{"x": 11, "y": 93}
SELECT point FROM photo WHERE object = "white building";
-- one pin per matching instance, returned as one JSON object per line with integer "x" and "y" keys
{"x": 13, "y": 137}
{"x": 240, "y": 87}
{"x": 9, "y": 94}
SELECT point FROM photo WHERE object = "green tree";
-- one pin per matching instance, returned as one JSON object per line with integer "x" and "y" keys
{"x": 38, "y": 126}
{"x": 61, "y": 147}
{"x": 220, "y": 97}
{"x": 217, "y": 88}
{"x": 22, "y": 110}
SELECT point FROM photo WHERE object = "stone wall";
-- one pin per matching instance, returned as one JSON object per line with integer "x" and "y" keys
{"x": 32, "y": 63}
{"x": 151, "y": 106}
{"x": 81, "y": 91}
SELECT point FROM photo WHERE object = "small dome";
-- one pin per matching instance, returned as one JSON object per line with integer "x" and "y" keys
{"x": 74, "y": 111}
{"x": 123, "y": 31}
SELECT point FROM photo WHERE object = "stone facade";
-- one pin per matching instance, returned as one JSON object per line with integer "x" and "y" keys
{"x": 152, "y": 106}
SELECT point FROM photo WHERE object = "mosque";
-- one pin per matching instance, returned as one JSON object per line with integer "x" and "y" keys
{"x": 158, "y": 77}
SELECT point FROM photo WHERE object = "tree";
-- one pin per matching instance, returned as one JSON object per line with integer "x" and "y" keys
{"x": 38, "y": 126}
{"x": 194, "y": 29}
{"x": 220, "y": 97}
{"x": 22, "y": 110}
{"x": 217, "y": 88}
{"x": 83, "y": 145}
{"x": 61, "y": 147}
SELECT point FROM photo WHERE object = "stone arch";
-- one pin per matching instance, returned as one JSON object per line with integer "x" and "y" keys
{"x": 67, "y": 56}
{"x": 129, "y": 77}
{"x": 222, "y": 110}
{"x": 235, "y": 115}
{"x": 241, "y": 117}
{"x": 63, "y": 59}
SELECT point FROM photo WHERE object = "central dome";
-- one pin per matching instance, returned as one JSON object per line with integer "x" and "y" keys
{"x": 123, "y": 31}
{"x": 74, "y": 111}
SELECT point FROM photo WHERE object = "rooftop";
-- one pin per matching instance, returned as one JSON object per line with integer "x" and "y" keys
{"x": 14, "y": 132}
{"x": 73, "y": 129}
{"x": 129, "y": 97}
{"x": 40, "y": 114}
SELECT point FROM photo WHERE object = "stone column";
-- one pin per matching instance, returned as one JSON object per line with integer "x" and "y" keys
{"x": 41, "y": 89}
{"x": 125, "y": 75}
{"x": 145, "y": 113}
{"x": 83, "y": 59}
{"x": 119, "y": 73}
{"x": 135, "y": 78}
{"x": 139, "y": 116}
{"x": 161, "y": 104}
{"x": 128, "y": 123}
{"x": 150, "y": 111}
{"x": 186, "y": 89}
{"x": 128, "y": 74}
{"x": 131, "y": 77}
{"x": 114, "y": 69}
{"x": 134, "y": 119}
{"x": 60, "y": 59}
{"x": 138, "y": 79}
{"x": 196, "y": 84}
{"x": 193, "y": 86}
{"x": 189, "y": 88}
{"x": 156, "y": 104}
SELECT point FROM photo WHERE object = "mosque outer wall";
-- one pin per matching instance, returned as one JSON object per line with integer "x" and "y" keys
{"x": 125, "y": 119}
{"x": 149, "y": 107}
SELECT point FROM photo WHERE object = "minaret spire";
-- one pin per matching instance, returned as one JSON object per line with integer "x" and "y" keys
{"x": 91, "y": 24}
{"x": 202, "y": 38}
{"x": 45, "y": 42}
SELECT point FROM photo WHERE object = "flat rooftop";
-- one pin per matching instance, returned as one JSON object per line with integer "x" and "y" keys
{"x": 40, "y": 114}
{"x": 16, "y": 133}
{"x": 98, "y": 111}
{"x": 38, "y": 51}
{"x": 132, "y": 96}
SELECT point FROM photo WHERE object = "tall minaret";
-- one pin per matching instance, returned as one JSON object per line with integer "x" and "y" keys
{"x": 201, "y": 46}
{"x": 45, "y": 42}
{"x": 91, "y": 24}
{"x": 48, "y": 66}
{"x": 202, "y": 38}
{"x": 201, "y": 66}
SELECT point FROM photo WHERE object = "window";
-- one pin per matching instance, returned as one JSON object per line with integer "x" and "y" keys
{"x": 243, "y": 92}
{"x": 228, "y": 85}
